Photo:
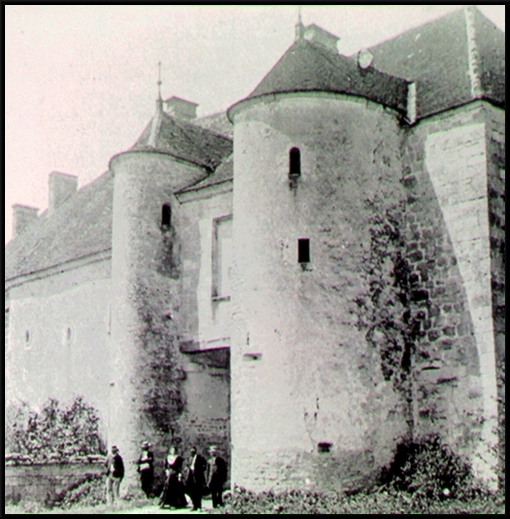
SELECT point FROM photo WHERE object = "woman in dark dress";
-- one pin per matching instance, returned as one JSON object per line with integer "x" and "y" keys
{"x": 173, "y": 492}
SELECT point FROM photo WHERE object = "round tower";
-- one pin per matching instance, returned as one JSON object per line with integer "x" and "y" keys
{"x": 144, "y": 388}
{"x": 308, "y": 397}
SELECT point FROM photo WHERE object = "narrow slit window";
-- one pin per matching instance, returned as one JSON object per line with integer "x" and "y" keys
{"x": 304, "y": 250}
{"x": 294, "y": 162}
{"x": 166, "y": 215}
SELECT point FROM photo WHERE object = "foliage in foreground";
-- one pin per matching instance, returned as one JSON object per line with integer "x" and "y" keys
{"x": 87, "y": 496}
{"x": 425, "y": 476}
{"x": 429, "y": 469}
{"x": 382, "y": 502}
{"x": 89, "y": 492}
{"x": 55, "y": 433}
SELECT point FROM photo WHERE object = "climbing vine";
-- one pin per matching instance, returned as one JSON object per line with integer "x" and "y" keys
{"x": 160, "y": 377}
{"x": 385, "y": 310}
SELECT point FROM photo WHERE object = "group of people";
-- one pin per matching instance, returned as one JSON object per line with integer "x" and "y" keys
{"x": 195, "y": 476}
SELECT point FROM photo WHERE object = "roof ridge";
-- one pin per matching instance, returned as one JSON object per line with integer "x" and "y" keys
{"x": 214, "y": 132}
{"x": 79, "y": 227}
{"x": 473, "y": 53}
{"x": 419, "y": 26}
{"x": 182, "y": 122}
{"x": 296, "y": 43}
{"x": 350, "y": 62}
{"x": 185, "y": 134}
{"x": 213, "y": 175}
{"x": 181, "y": 125}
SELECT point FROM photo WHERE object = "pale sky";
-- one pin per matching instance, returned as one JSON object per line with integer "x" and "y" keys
{"x": 80, "y": 81}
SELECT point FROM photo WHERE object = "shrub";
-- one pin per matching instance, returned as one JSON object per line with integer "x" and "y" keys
{"x": 54, "y": 433}
{"x": 429, "y": 468}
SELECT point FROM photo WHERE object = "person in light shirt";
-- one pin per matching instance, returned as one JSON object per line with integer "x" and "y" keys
{"x": 146, "y": 468}
{"x": 114, "y": 475}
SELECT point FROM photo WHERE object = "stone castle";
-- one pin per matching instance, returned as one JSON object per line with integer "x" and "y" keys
{"x": 304, "y": 280}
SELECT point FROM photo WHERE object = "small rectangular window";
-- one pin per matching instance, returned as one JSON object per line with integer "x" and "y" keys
{"x": 221, "y": 257}
{"x": 303, "y": 250}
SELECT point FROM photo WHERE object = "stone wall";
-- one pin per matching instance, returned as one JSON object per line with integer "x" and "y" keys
{"x": 445, "y": 176}
{"x": 495, "y": 132}
{"x": 58, "y": 337}
{"x": 206, "y": 320}
{"x": 43, "y": 483}
{"x": 304, "y": 377}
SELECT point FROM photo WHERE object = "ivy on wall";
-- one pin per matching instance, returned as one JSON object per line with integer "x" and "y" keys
{"x": 160, "y": 374}
{"x": 386, "y": 310}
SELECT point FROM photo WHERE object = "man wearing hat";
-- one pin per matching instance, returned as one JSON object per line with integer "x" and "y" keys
{"x": 146, "y": 468}
{"x": 114, "y": 475}
{"x": 196, "y": 481}
{"x": 216, "y": 476}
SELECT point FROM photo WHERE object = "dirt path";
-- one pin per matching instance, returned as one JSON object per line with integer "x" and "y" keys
{"x": 104, "y": 509}
{"x": 154, "y": 509}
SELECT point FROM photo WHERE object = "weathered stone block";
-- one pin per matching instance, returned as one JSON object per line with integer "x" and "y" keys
{"x": 446, "y": 343}
{"x": 415, "y": 256}
{"x": 433, "y": 335}
{"x": 449, "y": 330}
{"x": 410, "y": 182}
{"x": 434, "y": 310}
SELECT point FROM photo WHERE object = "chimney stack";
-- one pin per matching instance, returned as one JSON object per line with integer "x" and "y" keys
{"x": 62, "y": 186}
{"x": 411, "y": 103}
{"x": 22, "y": 217}
{"x": 315, "y": 34}
{"x": 180, "y": 108}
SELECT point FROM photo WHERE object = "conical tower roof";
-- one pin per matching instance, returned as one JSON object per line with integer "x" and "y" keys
{"x": 310, "y": 67}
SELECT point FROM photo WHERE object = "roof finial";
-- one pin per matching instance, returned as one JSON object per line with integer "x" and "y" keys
{"x": 159, "y": 80}
{"x": 299, "y": 25}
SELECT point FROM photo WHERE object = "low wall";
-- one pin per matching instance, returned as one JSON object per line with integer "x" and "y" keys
{"x": 45, "y": 482}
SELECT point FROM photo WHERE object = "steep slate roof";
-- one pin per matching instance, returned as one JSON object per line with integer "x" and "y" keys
{"x": 218, "y": 123}
{"x": 490, "y": 42}
{"x": 81, "y": 226}
{"x": 309, "y": 67}
{"x": 185, "y": 141}
{"x": 223, "y": 173}
{"x": 436, "y": 56}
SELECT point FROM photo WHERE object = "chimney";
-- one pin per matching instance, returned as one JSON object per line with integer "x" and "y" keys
{"x": 315, "y": 34}
{"x": 62, "y": 186}
{"x": 411, "y": 103}
{"x": 22, "y": 217}
{"x": 181, "y": 108}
